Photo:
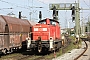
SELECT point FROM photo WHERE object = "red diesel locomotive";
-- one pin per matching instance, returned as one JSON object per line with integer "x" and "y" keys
{"x": 45, "y": 35}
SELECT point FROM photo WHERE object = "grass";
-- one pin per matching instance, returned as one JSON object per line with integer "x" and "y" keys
{"x": 65, "y": 50}
{"x": 61, "y": 51}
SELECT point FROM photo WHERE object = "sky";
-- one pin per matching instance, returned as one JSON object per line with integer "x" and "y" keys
{"x": 25, "y": 6}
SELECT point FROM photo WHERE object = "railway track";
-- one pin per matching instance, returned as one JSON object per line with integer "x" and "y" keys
{"x": 82, "y": 52}
{"x": 24, "y": 56}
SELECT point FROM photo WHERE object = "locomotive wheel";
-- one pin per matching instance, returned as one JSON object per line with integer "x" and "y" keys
{"x": 11, "y": 50}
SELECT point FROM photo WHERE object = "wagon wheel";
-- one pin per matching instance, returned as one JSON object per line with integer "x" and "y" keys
{"x": 5, "y": 51}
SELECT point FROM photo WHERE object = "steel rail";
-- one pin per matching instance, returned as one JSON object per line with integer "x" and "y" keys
{"x": 82, "y": 52}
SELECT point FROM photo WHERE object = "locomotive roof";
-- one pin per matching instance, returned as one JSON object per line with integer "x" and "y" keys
{"x": 50, "y": 20}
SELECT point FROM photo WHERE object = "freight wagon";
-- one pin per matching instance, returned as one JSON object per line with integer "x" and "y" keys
{"x": 13, "y": 33}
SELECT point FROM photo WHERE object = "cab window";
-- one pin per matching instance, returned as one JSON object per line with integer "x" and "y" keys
{"x": 52, "y": 22}
{"x": 43, "y": 22}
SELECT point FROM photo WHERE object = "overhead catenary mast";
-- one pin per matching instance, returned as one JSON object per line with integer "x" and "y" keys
{"x": 75, "y": 15}
{"x": 32, "y": 7}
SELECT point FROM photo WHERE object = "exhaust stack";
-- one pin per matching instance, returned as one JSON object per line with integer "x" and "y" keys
{"x": 19, "y": 14}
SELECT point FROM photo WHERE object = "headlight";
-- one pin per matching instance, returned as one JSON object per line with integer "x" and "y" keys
{"x": 44, "y": 29}
{"x": 35, "y": 29}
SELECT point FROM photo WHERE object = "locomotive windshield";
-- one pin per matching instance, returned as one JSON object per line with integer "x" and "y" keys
{"x": 43, "y": 22}
{"x": 52, "y": 22}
